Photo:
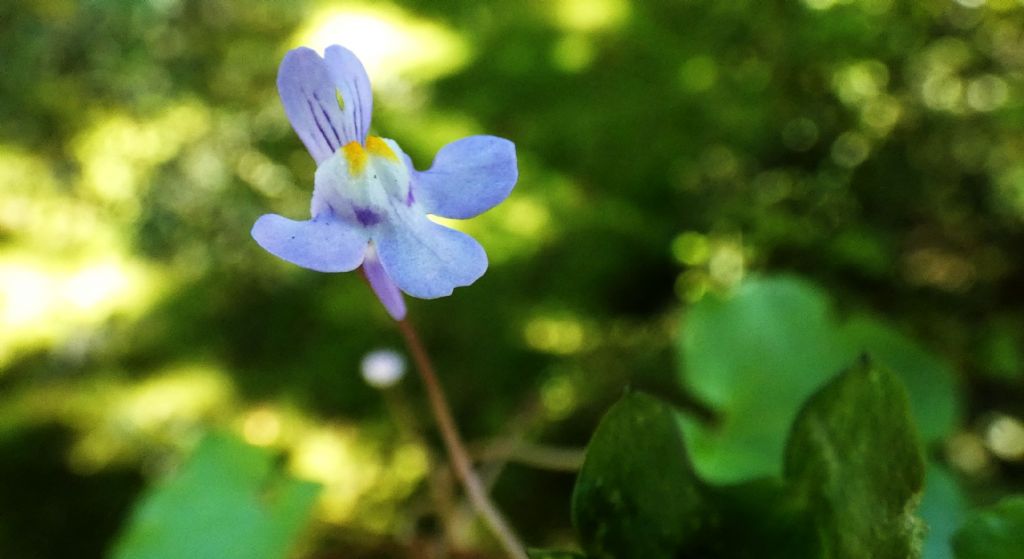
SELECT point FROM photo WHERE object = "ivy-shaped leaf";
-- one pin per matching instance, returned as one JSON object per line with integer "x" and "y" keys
{"x": 228, "y": 501}
{"x": 755, "y": 357}
{"x": 993, "y": 533}
{"x": 854, "y": 473}
{"x": 854, "y": 457}
{"x": 637, "y": 495}
{"x": 758, "y": 354}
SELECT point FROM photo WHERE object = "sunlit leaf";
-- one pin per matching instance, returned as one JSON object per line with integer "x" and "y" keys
{"x": 228, "y": 501}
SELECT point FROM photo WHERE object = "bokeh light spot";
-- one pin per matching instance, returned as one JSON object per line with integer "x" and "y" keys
{"x": 691, "y": 248}
{"x": 859, "y": 82}
{"x": 987, "y": 93}
{"x": 558, "y": 396}
{"x": 727, "y": 264}
{"x": 43, "y": 302}
{"x": 333, "y": 457}
{"x": 966, "y": 451}
{"x": 800, "y": 134}
{"x": 850, "y": 149}
{"x": 262, "y": 427}
{"x": 573, "y": 52}
{"x": 560, "y": 335}
{"x": 698, "y": 74}
{"x": 1005, "y": 437}
{"x": 881, "y": 114}
{"x": 392, "y": 44}
{"x": 382, "y": 368}
{"x": 591, "y": 15}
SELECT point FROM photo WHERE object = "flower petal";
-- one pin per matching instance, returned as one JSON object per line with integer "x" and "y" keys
{"x": 468, "y": 177}
{"x": 323, "y": 244}
{"x": 428, "y": 260}
{"x": 382, "y": 286}
{"x": 311, "y": 102}
{"x": 350, "y": 78}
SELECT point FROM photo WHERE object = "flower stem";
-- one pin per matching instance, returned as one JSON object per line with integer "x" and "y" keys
{"x": 456, "y": 449}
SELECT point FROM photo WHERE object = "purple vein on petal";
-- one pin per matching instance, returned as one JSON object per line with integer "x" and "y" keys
{"x": 361, "y": 134}
{"x": 353, "y": 88}
{"x": 327, "y": 118}
{"x": 316, "y": 121}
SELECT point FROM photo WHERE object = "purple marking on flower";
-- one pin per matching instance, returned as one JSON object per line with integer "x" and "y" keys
{"x": 367, "y": 217}
{"x": 320, "y": 128}
{"x": 364, "y": 210}
{"x": 327, "y": 120}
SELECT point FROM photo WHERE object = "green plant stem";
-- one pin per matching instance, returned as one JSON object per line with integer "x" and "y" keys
{"x": 542, "y": 457}
{"x": 461, "y": 462}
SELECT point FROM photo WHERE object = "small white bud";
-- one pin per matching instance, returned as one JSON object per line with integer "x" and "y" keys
{"x": 383, "y": 368}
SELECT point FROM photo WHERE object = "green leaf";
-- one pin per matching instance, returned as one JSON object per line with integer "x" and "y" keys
{"x": 229, "y": 501}
{"x": 854, "y": 456}
{"x": 993, "y": 533}
{"x": 930, "y": 382}
{"x": 757, "y": 355}
{"x": 637, "y": 495}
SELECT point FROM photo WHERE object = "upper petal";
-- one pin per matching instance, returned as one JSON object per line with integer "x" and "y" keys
{"x": 468, "y": 177}
{"x": 324, "y": 244}
{"x": 350, "y": 78}
{"x": 428, "y": 260}
{"x": 310, "y": 100}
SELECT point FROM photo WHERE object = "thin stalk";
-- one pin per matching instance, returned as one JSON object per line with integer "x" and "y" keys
{"x": 461, "y": 462}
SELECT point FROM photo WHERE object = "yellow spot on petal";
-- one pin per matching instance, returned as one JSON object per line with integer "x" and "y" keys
{"x": 380, "y": 148}
{"x": 356, "y": 157}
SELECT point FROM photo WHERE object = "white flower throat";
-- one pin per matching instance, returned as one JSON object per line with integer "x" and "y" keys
{"x": 363, "y": 184}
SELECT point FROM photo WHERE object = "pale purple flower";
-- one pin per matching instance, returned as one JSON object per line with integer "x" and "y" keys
{"x": 369, "y": 204}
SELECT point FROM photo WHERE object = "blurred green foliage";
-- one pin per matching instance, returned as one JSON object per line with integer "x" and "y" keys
{"x": 667, "y": 149}
{"x": 996, "y": 532}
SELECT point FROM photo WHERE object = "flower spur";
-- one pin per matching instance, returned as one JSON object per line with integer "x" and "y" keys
{"x": 370, "y": 205}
